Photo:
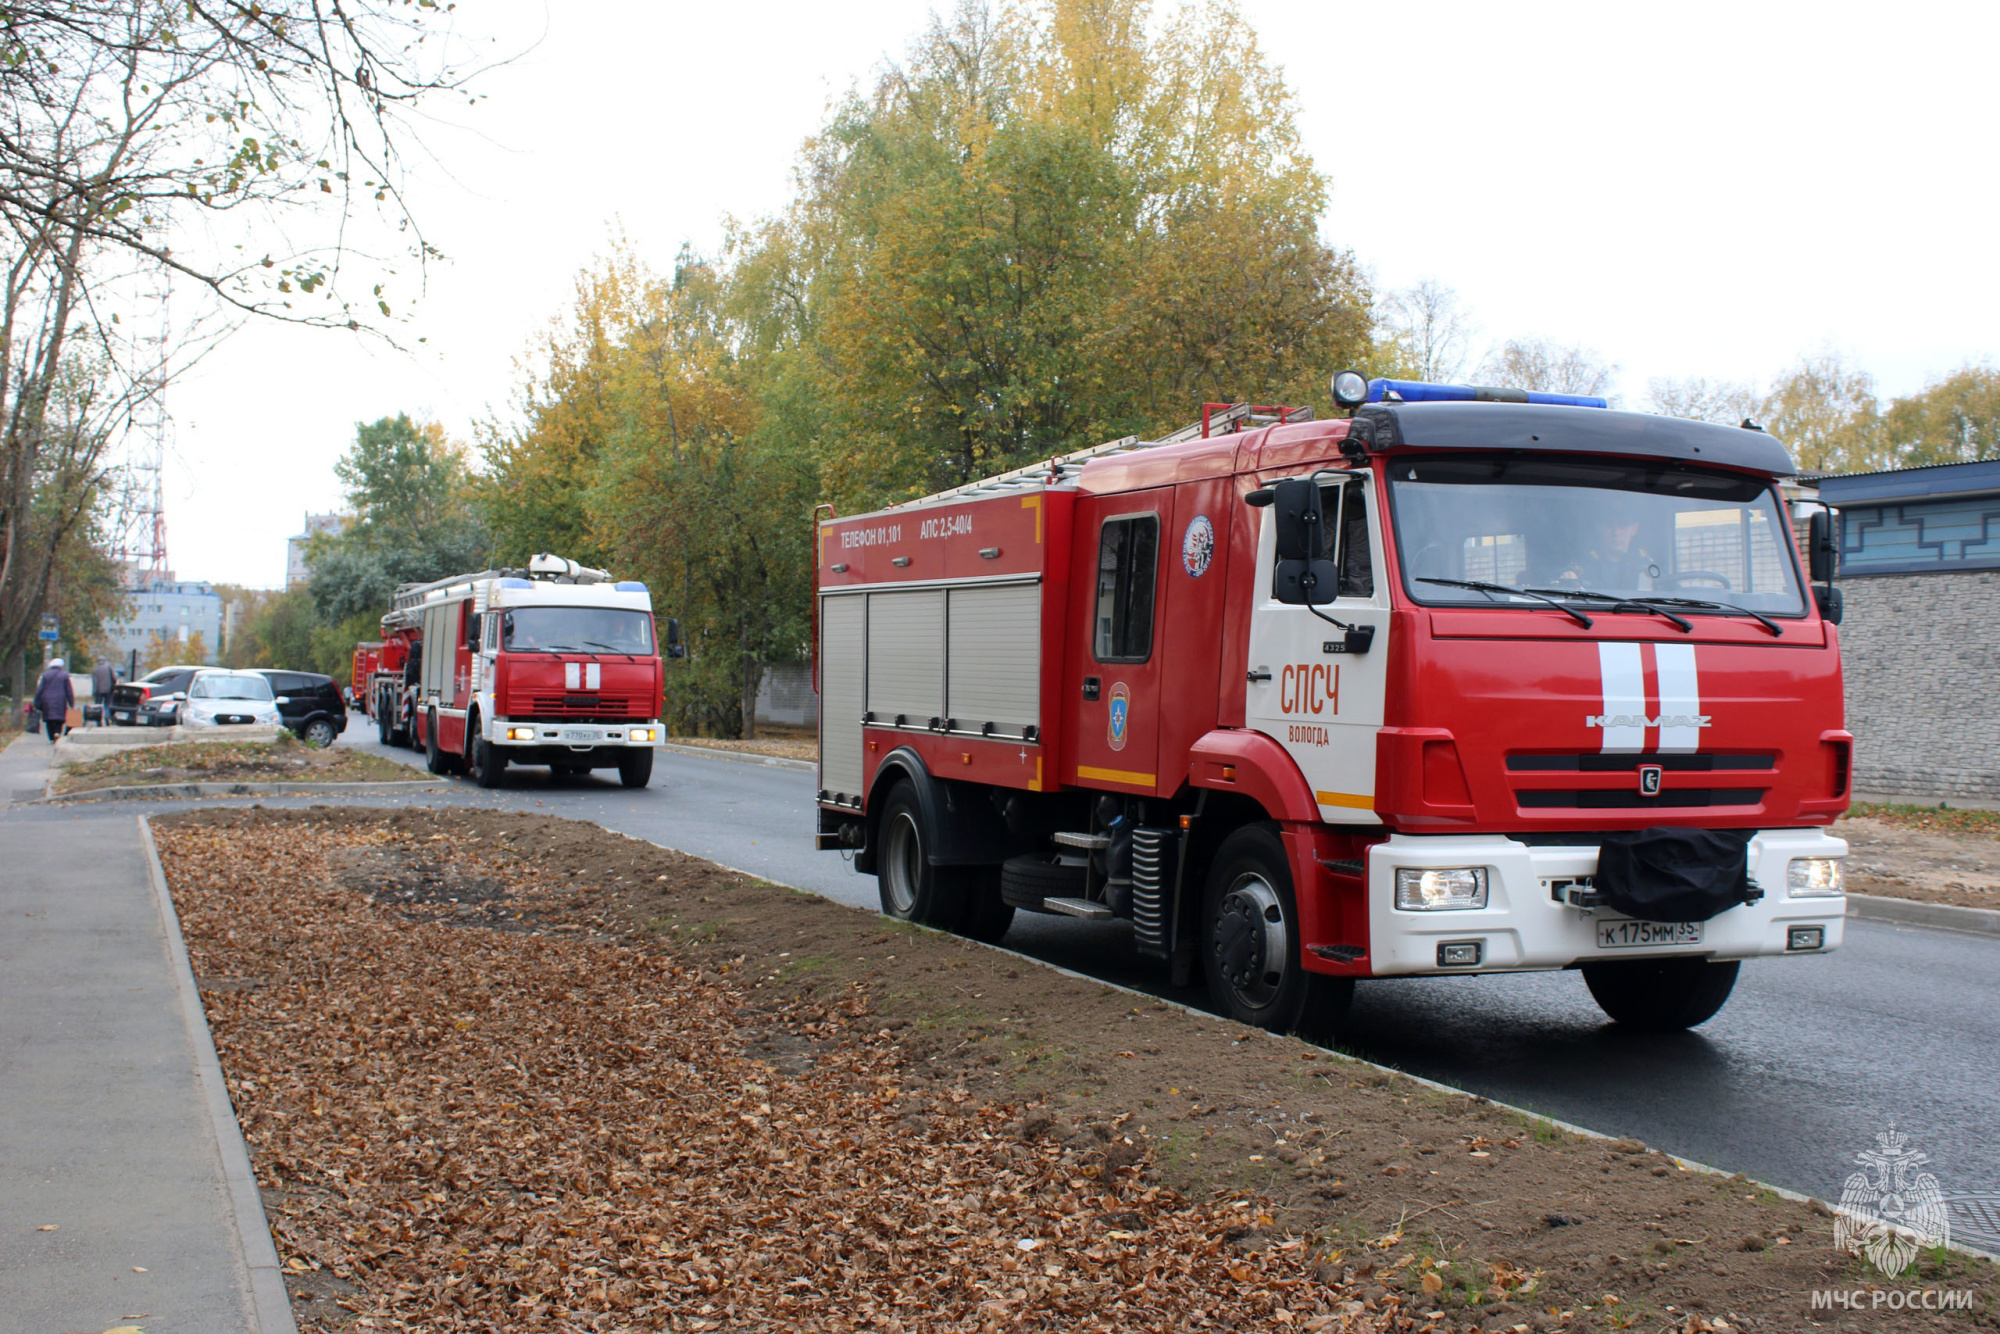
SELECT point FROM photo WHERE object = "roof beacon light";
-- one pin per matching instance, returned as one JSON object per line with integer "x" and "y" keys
{"x": 1350, "y": 389}
{"x": 1416, "y": 391}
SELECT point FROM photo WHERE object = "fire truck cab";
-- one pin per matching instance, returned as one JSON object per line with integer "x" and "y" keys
{"x": 1469, "y": 681}
{"x": 555, "y": 664}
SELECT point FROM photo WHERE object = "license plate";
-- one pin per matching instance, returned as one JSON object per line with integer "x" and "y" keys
{"x": 1624, "y": 933}
{"x": 583, "y": 734}
{"x": 122, "y": 717}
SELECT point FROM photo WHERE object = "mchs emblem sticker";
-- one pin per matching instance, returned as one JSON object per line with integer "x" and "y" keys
{"x": 1121, "y": 715}
{"x": 1197, "y": 546}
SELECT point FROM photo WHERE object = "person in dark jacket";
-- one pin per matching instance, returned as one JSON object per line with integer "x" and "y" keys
{"x": 102, "y": 677}
{"x": 53, "y": 696}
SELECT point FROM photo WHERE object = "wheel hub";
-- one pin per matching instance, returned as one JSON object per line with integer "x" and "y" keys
{"x": 1251, "y": 944}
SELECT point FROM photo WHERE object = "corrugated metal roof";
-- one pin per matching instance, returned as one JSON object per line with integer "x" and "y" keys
{"x": 1938, "y": 479}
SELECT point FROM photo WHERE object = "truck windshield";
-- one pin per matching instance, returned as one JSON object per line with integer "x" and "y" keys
{"x": 576, "y": 630}
{"x": 1573, "y": 527}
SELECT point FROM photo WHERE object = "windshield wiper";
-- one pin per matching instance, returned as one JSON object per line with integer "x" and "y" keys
{"x": 1481, "y": 586}
{"x": 1620, "y": 603}
{"x": 1756, "y": 616}
{"x": 1660, "y": 604}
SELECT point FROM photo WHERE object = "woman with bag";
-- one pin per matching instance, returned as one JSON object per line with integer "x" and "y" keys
{"x": 53, "y": 696}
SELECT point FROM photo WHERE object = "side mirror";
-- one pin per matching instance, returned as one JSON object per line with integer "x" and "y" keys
{"x": 1822, "y": 552}
{"x": 282, "y": 699}
{"x": 1830, "y": 602}
{"x": 1295, "y": 509}
{"x": 675, "y": 648}
{"x": 1303, "y": 583}
{"x": 473, "y": 625}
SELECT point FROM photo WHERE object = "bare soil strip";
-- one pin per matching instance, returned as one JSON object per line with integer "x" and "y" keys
{"x": 509, "y": 1072}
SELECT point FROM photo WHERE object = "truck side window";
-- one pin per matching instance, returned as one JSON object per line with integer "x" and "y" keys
{"x": 1127, "y": 557}
{"x": 1357, "y": 563}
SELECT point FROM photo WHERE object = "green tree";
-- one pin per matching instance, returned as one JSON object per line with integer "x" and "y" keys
{"x": 1954, "y": 420}
{"x": 414, "y": 519}
{"x": 1826, "y": 413}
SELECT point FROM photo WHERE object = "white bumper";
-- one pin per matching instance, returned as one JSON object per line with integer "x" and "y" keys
{"x": 574, "y": 736}
{"x": 1524, "y": 928}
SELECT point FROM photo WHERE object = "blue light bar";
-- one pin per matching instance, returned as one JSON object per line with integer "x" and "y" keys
{"x": 516, "y": 583}
{"x": 629, "y": 586}
{"x": 1416, "y": 391}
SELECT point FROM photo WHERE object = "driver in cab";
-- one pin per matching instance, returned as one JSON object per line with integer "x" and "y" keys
{"x": 1612, "y": 557}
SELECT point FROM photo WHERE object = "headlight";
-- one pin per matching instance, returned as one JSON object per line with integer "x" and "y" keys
{"x": 1813, "y": 878}
{"x": 520, "y": 734}
{"x": 1434, "y": 891}
{"x": 641, "y": 734}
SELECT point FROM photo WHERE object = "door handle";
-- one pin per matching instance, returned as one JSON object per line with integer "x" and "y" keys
{"x": 1260, "y": 674}
{"x": 1091, "y": 686}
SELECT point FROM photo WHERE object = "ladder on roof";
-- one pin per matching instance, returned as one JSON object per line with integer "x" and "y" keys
{"x": 1216, "y": 419}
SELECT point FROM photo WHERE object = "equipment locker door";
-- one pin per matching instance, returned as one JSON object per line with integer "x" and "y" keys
{"x": 1114, "y": 679}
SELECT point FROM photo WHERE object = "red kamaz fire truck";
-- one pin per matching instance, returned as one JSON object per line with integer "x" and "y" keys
{"x": 555, "y": 664}
{"x": 367, "y": 662}
{"x": 1468, "y": 681}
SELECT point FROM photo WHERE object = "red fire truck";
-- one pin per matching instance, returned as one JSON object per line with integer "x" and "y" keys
{"x": 555, "y": 664}
{"x": 1465, "y": 681}
{"x": 367, "y": 662}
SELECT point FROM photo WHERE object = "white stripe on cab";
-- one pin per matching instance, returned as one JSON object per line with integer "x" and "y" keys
{"x": 1624, "y": 678}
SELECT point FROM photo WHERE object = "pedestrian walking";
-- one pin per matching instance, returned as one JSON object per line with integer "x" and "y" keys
{"x": 53, "y": 696}
{"x": 102, "y": 678}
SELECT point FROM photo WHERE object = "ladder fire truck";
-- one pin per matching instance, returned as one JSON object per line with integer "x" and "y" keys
{"x": 555, "y": 664}
{"x": 1464, "y": 681}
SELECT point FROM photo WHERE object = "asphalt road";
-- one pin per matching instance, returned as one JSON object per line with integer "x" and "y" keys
{"x": 1811, "y": 1059}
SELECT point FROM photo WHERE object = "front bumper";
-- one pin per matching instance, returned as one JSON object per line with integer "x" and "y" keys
{"x": 572, "y": 736}
{"x": 1524, "y": 928}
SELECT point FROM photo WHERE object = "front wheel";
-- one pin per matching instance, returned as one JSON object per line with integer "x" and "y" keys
{"x": 1250, "y": 942}
{"x": 1661, "y": 995}
{"x": 489, "y": 762}
{"x": 912, "y": 889}
{"x": 635, "y": 768}
{"x": 436, "y": 758}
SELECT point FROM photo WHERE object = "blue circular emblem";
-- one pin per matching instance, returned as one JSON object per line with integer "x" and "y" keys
{"x": 1197, "y": 546}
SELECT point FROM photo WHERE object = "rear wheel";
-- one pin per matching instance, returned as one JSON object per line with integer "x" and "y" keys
{"x": 987, "y": 915}
{"x": 635, "y": 768}
{"x": 319, "y": 732}
{"x": 1250, "y": 944}
{"x": 1661, "y": 995}
{"x": 912, "y": 889}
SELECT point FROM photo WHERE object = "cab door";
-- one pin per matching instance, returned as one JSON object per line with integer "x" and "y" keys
{"x": 1114, "y": 678}
{"x": 1312, "y": 689}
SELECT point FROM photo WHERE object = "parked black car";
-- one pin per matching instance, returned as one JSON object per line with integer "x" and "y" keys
{"x": 310, "y": 704}
{"x": 154, "y": 700}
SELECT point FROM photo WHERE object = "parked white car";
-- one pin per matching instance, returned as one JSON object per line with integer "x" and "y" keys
{"x": 219, "y": 698}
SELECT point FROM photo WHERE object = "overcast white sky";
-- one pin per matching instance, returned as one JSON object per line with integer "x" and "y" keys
{"x": 1691, "y": 189}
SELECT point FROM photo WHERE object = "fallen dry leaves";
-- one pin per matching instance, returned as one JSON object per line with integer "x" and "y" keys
{"x": 497, "y": 1115}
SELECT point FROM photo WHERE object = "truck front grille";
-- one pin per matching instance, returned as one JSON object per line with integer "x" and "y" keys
{"x": 604, "y": 708}
{"x": 1619, "y": 799}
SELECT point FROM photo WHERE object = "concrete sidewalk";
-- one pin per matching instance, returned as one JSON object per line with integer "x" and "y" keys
{"x": 115, "y": 1130}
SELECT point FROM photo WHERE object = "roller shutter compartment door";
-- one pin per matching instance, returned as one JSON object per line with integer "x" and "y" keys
{"x": 843, "y": 664}
{"x": 995, "y": 653}
{"x": 906, "y": 656}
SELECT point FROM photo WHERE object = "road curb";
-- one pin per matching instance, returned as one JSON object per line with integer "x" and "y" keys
{"x": 270, "y": 1302}
{"x": 743, "y": 757}
{"x": 1912, "y": 912}
{"x": 187, "y": 791}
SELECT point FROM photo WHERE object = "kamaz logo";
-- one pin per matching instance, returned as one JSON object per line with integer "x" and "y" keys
{"x": 1641, "y": 720}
